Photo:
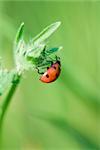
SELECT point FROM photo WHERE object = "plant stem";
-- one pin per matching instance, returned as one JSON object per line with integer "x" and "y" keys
{"x": 8, "y": 98}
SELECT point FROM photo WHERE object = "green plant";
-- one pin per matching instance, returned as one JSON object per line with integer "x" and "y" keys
{"x": 27, "y": 56}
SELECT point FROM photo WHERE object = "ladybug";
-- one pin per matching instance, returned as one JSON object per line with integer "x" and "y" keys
{"x": 52, "y": 73}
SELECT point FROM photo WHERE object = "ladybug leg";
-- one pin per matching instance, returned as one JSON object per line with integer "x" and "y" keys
{"x": 39, "y": 71}
{"x": 51, "y": 63}
{"x": 47, "y": 68}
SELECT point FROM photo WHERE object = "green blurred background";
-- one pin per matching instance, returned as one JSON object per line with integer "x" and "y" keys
{"x": 63, "y": 115}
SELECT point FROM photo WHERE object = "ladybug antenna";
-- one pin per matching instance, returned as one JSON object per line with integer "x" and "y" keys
{"x": 58, "y": 60}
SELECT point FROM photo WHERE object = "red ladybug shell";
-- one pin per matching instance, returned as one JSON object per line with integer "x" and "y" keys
{"x": 52, "y": 73}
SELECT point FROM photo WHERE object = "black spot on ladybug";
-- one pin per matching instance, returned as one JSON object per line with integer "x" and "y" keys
{"x": 47, "y": 75}
{"x": 54, "y": 67}
{"x": 56, "y": 75}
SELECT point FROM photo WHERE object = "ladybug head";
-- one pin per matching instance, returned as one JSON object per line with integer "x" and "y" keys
{"x": 58, "y": 61}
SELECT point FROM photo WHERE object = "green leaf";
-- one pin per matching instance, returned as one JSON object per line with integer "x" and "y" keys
{"x": 19, "y": 33}
{"x": 35, "y": 51}
{"x": 46, "y": 33}
{"x": 33, "y": 48}
{"x": 53, "y": 50}
{"x": 38, "y": 43}
{"x": 6, "y": 78}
